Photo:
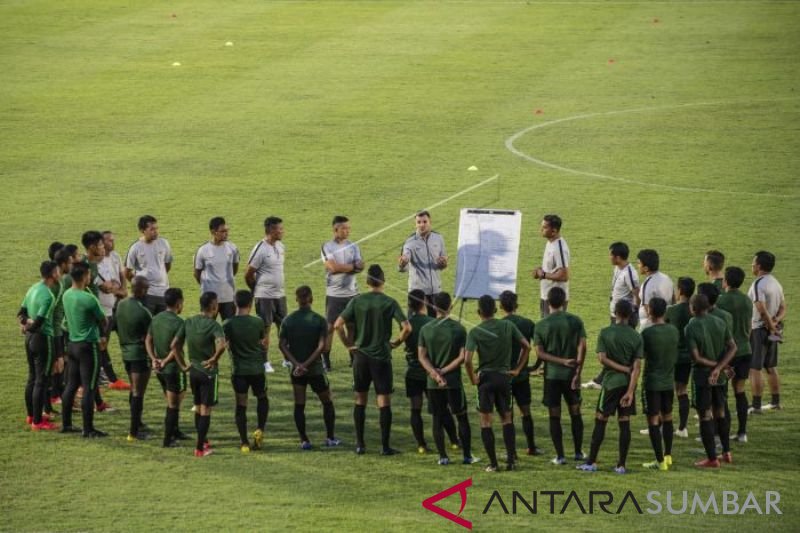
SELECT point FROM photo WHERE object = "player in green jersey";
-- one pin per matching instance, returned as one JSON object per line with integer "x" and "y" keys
{"x": 132, "y": 324}
{"x": 246, "y": 339}
{"x": 679, "y": 315}
{"x": 302, "y": 341}
{"x": 712, "y": 345}
{"x": 441, "y": 354}
{"x": 619, "y": 349}
{"x": 560, "y": 340}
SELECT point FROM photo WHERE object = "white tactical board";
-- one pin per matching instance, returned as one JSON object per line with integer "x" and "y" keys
{"x": 488, "y": 250}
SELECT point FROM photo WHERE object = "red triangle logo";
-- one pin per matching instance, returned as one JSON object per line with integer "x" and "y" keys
{"x": 461, "y": 488}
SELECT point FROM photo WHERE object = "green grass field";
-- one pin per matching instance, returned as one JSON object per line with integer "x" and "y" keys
{"x": 687, "y": 138}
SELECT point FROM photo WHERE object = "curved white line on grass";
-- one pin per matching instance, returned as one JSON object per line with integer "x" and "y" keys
{"x": 594, "y": 175}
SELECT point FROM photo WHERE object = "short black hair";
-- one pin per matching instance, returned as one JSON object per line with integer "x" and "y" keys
{"x": 649, "y": 258}
{"x": 146, "y": 220}
{"x": 243, "y": 298}
{"x": 699, "y": 303}
{"x": 416, "y": 299}
{"x": 173, "y": 296}
{"x": 215, "y": 223}
{"x": 657, "y": 306}
{"x": 107, "y": 232}
{"x": 207, "y": 299}
{"x": 686, "y": 286}
{"x": 339, "y": 219}
{"x": 53, "y": 249}
{"x": 710, "y": 291}
{"x": 554, "y": 221}
{"x": 556, "y": 297}
{"x": 270, "y": 222}
{"x": 442, "y": 301}
{"x": 91, "y": 238}
{"x": 303, "y": 294}
{"x": 623, "y": 308}
{"x": 423, "y": 213}
{"x": 62, "y": 256}
{"x": 486, "y": 306}
{"x": 508, "y": 301}
{"x": 79, "y": 271}
{"x": 765, "y": 260}
{"x": 71, "y": 248}
{"x": 716, "y": 259}
{"x": 619, "y": 249}
{"x": 734, "y": 277}
{"x": 375, "y": 277}
{"x": 47, "y": 268}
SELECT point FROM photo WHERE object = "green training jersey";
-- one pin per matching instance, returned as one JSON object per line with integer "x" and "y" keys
{"x": 56, "y": 291}
{"x": 444, "y": 338}
{"x": 83, "y": 314}
{"x": 245, "y": 335}
{"x": 133, "y": 321}
{"x": 164, "y": 327}
{"x": 201, "y": 334}
{"x": 93, "y": 275}
{"x": 679, "y": 315}
{"x": 559, "y": 334}
{"x": 59, "y": 320}
{"x": 38, "y": 303}
{"x": 303, "y": 330}
{"x": 493, "y": 340}
{"x": 708, "y": 334}
{"x": 414, "y": 369}
{"x": 526, "y": 327}
{"x": 623, "y": 345}
{"x": 372, "y": 314}
{"x": 717, "y": 282}
{"x": 660, "y": 355}
{"x": 740, "y": 307}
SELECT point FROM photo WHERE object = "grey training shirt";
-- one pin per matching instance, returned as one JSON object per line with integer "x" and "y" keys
{"x": 342, "y": 284}
{"x": 150, "y": 260}
{"x": 423, "y": 272}
{"x": 216, "y": 265}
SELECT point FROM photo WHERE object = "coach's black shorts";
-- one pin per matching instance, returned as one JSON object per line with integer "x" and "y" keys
{"x": 521, "y": 391}
{"x": 226, "y": 310}
{"x": 608, "y": 402}
{"x": 555, "y": 389}
{"x": 494, "y": 392}
{"x": 705, "y": 397}
{"x": 415, "y": 387}
{"x": 318, "y": 383}
{"x": 656, "y": 402}
{"x": 741, "y": 367}
{"x": 271, "y": 310}
{"x": 765, "y": 352}
{"x": 682, "y": 372}
{"x": 155, "y": 304}
{"x": 175, "y": 382}
{"x": 439, "y": 400}
{"x": 205, "y": 387}
{"x": 137, "y": 367}
{"x": 334, "y": 305}
{"x": 367, "y": 370}
{"x": 255, "y": 382}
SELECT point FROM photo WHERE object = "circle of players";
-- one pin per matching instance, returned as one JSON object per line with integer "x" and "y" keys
{"x": 696, "y": 338}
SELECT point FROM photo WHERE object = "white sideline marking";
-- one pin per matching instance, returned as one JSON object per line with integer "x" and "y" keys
{"x": 594, "y": 175}
{"x": 411, "y": 216}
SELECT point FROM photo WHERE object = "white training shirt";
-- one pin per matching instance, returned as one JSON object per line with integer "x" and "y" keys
{"x": 342, "y": 284}
{"x": 655, "y": 285}
{"x": 109, "y": 269}
{"x": 765, "y": 289}
{"x": 268, "y": 260}
{"x": 624, "y": 284}
{"x": 556, "y": 255}
{"x": 150, "y": 260}
{"x": 216, "y": 265}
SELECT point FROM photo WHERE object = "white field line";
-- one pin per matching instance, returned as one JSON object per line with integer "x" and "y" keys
{"x": 594, "y": 175}
{"x": 411, "y": 216}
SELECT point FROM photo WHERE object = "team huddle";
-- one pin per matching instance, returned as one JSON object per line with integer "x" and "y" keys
{"x": 693, "y": 340}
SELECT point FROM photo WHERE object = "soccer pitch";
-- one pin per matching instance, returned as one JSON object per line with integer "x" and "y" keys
{"x": 668, "y": 125}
